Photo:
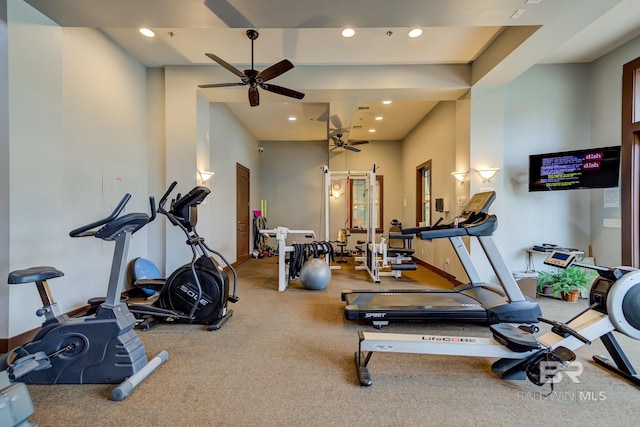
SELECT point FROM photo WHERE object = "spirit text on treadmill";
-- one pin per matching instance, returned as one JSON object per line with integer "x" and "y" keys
{"x": 367, "y": 315}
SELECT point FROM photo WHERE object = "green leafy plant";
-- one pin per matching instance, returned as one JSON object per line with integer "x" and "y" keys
{"x": 546, "y": 279}
{"x": 564, "y": 281}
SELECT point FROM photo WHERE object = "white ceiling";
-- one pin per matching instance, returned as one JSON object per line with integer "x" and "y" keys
{"x": 464, "y": 43}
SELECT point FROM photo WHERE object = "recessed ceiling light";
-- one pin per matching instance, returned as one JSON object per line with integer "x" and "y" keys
{"x": 415, "y": 32}
{"x": 292, "y": 119}
{"x": 348, "y": 32}
{"x": 378, "y": 118}
{"x": 387, "y": 102}
{"x": 372, "y": 130}
{"x": 147, "y": 32}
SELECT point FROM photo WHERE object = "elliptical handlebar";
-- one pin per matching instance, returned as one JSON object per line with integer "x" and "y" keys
{"x": 152, "y": 205}
{"x": 164, "y": 198}
{"x": 84, "y": 230}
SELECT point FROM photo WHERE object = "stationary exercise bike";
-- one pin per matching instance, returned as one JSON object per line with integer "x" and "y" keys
{"x": 99, "y": 349}
{"x": 197, "y": 292}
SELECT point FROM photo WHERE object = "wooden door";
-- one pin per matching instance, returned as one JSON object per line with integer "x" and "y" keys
{"x": 242, "y": 213}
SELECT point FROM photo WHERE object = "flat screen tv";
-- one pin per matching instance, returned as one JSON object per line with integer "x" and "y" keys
{"x": 571, "y": 170}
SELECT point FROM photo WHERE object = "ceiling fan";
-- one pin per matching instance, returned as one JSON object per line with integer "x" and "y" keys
{"x": 339, "y": 143}
{"x": 256, "y": 79}
{"x": 338, "y": 128}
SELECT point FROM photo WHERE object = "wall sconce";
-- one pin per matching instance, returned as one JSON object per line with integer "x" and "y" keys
{"x": 487, "y": 174}
{"x": 335, "y": 191}
{"x": 205, "y": 176}
{"x": 460, "y": 176}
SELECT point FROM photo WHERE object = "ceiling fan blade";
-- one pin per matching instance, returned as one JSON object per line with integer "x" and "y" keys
{"x": 358, "y": 142}
{"x": 225, "y": 64}
{"x": 282, "y": 91}
{"x": 348, "y": 147}
{"x": 254, "y": 97}
{"x": 275, "y": 70}
{"x": 324, "y": 116}
{"x": 336, "y": 122}
{"x": 221, "y": 85}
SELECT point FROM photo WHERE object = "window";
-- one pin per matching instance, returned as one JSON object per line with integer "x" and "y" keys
{"x": 358, "y": 218}
{"x": 423, "y": 193}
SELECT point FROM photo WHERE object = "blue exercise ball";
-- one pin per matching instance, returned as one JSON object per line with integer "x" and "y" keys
{"x": 315, "y": 274}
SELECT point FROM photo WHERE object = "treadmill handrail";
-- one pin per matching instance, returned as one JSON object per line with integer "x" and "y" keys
{"x": 484, "y": 227}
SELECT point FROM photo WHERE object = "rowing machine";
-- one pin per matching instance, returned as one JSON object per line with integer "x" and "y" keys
{"x": 517, "y": 349}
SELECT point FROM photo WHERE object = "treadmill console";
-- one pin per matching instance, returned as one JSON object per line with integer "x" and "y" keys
{"x": 475, "y": 209}
{"x": 474, "y": 212}
{"x": 479, "y": 203}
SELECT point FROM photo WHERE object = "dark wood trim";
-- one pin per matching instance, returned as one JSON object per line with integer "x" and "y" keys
{"x": 241, "y": 254}
{"x": 436, "y": 270}
{"x": 630, "y": 167}
{"x": 419, "y": 192}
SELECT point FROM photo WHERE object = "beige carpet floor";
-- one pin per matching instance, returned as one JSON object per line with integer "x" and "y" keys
{"x": 287, "y": 359}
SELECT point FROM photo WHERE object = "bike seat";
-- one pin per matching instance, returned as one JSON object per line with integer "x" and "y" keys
{"x": 33, "y": 274}
{"x": 514, "y": 338}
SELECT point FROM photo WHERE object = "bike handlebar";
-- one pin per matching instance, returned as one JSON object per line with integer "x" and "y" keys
{"x": 84, "y": 230}
{"x": 88, "y": 230}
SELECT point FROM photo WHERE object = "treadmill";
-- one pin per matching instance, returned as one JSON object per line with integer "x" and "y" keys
{"x": 476, "y": 302}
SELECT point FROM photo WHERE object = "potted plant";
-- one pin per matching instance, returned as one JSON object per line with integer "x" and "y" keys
{"x": 566, "y": 284}
{"x": 545, "y": 280}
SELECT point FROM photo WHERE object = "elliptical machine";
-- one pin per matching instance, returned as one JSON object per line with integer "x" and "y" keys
{"x": 197, "y": 292}
{"x": 99, "y": 349}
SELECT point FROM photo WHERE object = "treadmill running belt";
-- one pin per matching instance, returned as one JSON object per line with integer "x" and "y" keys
{"x": 435, "y": 301}
{"x": 385, "y": 306}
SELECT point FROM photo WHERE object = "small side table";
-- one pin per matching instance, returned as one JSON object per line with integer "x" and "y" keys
{"x": 531, "y": 252}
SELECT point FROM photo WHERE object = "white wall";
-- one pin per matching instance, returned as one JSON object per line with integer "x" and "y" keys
{"x": 387, "y": 157}
{"x": 434, "y": 138}
{"x": 230, "y": 143}
{"x": 291, "y": 181}
{"x": 545, "y": 109}
{"x": 606, "y": 119}
{"x": 5, "y": 167}
{"x": 186, "y": 115}
{"x": 77, "y": 144}
{"x": 156, "y": 155}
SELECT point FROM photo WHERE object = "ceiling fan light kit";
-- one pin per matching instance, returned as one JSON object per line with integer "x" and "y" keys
{"x": 256, "y": 79}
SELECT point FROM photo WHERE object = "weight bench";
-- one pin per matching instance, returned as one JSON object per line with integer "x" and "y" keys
{"x": 399, "y": 250}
